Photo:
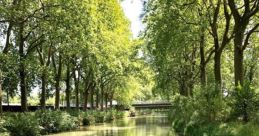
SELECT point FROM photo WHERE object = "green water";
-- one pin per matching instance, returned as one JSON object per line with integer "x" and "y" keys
{"x": 138, "y": 126}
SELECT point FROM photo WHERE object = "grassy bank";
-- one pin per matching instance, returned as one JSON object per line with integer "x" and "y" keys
{"x": 217, "y": 116}
{"x": 47, "y": 121}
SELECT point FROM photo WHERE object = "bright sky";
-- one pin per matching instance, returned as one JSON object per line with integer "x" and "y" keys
{"x": 133, "y": 9}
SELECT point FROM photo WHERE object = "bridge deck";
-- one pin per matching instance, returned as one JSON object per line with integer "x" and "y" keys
{"x": 152, "y": 105}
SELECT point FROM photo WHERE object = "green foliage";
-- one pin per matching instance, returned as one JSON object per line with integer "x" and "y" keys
{"x": 181, "y": 113}
{"x": 204, "y": 107}
{"x": 99, "y": 117}
{"x": 55, "y": 121}
{"x": 2, "y": 122}
{"x": 111, "y": 115}
{"x": 208, "y": 129}
{"x": 88, "y": 118}
{"x": 92, "y": 116}
{"x": 222, "y": 129}
{"x": 205, "y": 114}
{"x": 245, "y": 102}
{"x": 22, "y": 124}
{"x": 91, "y": 35}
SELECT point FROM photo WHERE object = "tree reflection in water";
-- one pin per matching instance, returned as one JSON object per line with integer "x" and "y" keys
{"x": 139, "y": 126}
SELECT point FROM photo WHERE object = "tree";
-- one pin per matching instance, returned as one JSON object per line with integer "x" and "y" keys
{"x": 244, "y": 13}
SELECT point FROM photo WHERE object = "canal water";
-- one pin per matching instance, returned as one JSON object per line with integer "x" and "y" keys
{"x": 149, "y": 125}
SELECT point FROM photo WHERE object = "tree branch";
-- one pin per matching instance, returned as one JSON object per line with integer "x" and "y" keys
{"x": 233, "y": 9}
{"x": 248, "y": 36}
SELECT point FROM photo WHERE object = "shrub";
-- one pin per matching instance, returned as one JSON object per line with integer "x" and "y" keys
{"x": 181, "y": 113}
{"x": 207, "y": 128}
{"x": 87, "y": 118}
{"x": 207, "y": 106}
{"x": 244, "y": 102}
{"x": 132, "y": 112}
{"x": 74, "y": 112}
{"x": 110, "y": 115}
{"x": 55, "y": 121}
{"x": 68, "y": 122}
{"x": 99, "y": 116}
{"x": 22, "y": 124}
{"x": 248, "y": 129}
{"x": 119, "y": 114}
{"x": 3, "y": 131}
{"x": 222, "y": 129}
{"x": 2, "y": 122}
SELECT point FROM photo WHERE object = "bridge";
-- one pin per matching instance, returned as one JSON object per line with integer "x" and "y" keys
{"x": 152, "y": 105}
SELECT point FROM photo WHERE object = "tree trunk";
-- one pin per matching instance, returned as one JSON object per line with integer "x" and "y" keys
{"x": 1, "y": 108}
{"x": 111, "y": 97}
{"x": 217, "y": 70}
{"x": 202, "y": 61}
{"x": 8, "y": 34}
{"x": 183, "y": 88}
{"x": 57, "y": 84}
{"x": 23, "y": 87}
{"x": 102, "y": 98}
{"x": 68, "y": 86}
{"x": 85, "y": 100}
{"x": 238, "y": 59}
{"x": 8, "y": 100}
{"x": 97, "y": 98}
{"x": 92, "y": 97}
{"x": 43, "y": 89}
{"x": 76, "y": 80}
{"x": 106, "y": 101}
{"x": 86, "y": 93}
{"x": 57, "y": 94}
{"x": 22, "y": 72}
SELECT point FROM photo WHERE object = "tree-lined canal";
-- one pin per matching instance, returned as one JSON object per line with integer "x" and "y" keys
{"x": 149, "y": 125}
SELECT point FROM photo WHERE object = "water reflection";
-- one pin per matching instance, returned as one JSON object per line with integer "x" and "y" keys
{"x": 138, "y": 126}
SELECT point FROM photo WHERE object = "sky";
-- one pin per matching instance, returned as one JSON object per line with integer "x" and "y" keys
{"x": 133, "y": 10}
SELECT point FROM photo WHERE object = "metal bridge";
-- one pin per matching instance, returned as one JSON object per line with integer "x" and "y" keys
{"x": 152, "y": 105}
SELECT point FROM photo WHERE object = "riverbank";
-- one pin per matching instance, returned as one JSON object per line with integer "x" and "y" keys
{"x": 44, "y": 122}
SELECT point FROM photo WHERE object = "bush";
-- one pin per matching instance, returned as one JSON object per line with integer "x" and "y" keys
{"x": 181, "y": 113}
{"x": 189, "y": 114}
{"x": 244, "y": 102}
{"x": 110, "y": 115}
{"x": 249, "y": 129}
{"x": 87, "y": 118}
{"x": 2, "y": 122}
{"x": 99, "y": 116}
{"x": 3, "y": 131}
{"x": 22, "y": 124}
{"x": 55, "y": 121}
{"x": 119, "y": 114}
{"x": 68, "y": 122}
{"x": 132, "y": 112}
{"x": 209, "y": 113}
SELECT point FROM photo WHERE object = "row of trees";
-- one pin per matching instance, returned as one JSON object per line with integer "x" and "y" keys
{"x": 84, "y": 45}
{"x": 200, "y": 42}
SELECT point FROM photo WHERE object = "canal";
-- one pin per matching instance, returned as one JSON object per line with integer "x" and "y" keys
{"x": 149, "y": 125}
